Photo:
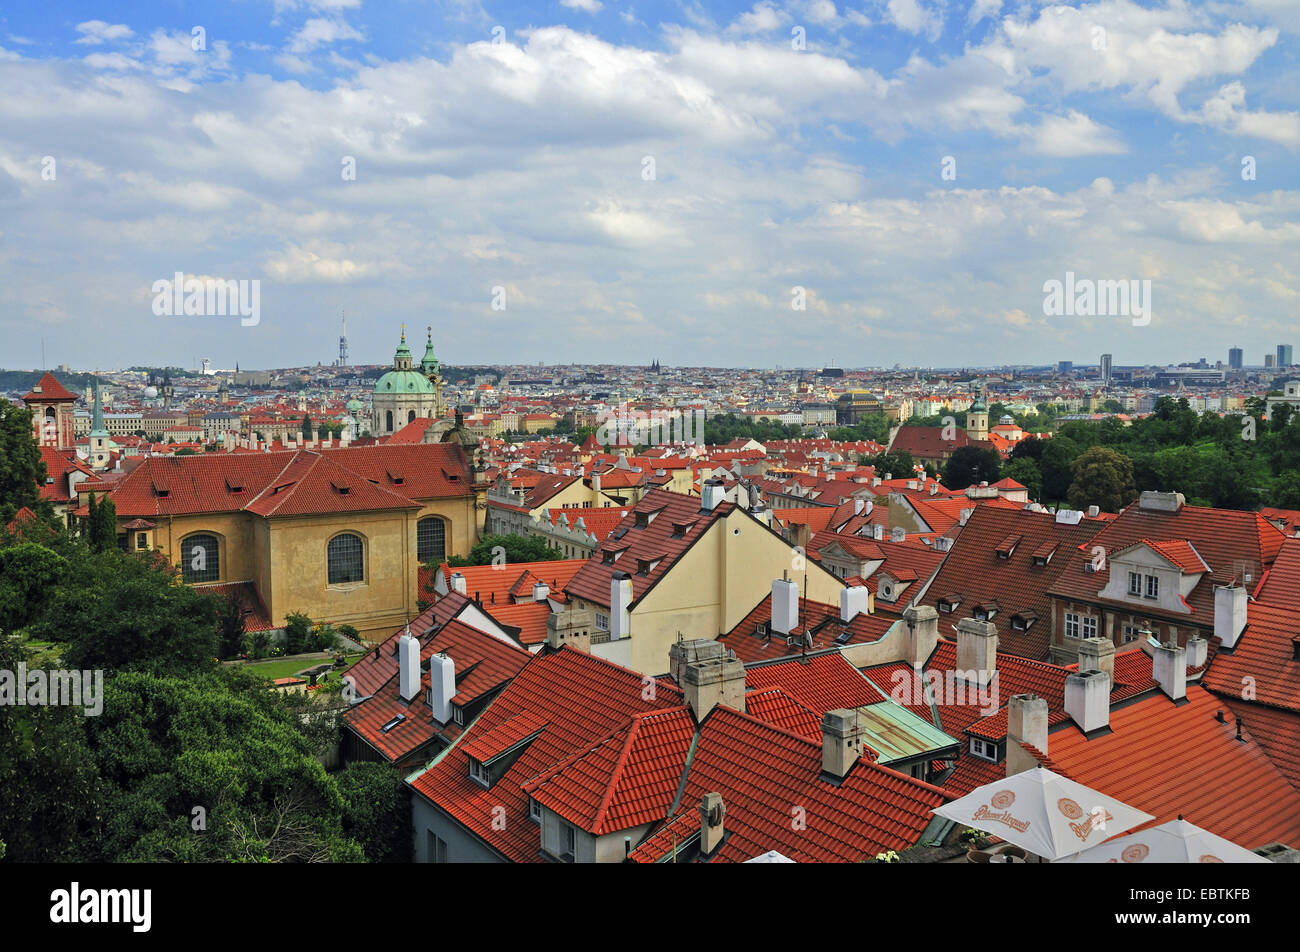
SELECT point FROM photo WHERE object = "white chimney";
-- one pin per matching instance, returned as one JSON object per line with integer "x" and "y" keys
{"x": 458, "y": 583}
{"x": 711, "y": 493}
{"x": 707, "y": 684}
{"x": 1087, "y": 700}
{"x": 408, "y": 665}
{"x": 977, "y": 651}
{"x": 442, "y": 686}
{"x": 595, "y": 482}
{"x": 858, "y": 503}
{"x": 934, "y": 488}
{"x": 942, "y": 543}
{"x": 922, "y": 630}
{"x": 964, "y": 516}
{"x": 785, "y": 606}
{"x": 877, "y": 531}
{"x": 854, "y": 600}
{"x": 1198, "y": 649}
{"x": 540, "y": 591}
{"x": 712, "y": 815}
{"x": 1229, "y": 614}
{"x": 1026, "y": 724}
{"x": 897, "y": 534}
{"x": 1169, "y": 669}
{"x": 841, "y": 742}
{"x": 1094, "y": 512}
{"x": 620, "y": 598}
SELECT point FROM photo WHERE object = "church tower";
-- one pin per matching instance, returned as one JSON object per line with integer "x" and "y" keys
{"x": 432, "y": 371}
{"x": 99, "y": 442}
{"x": 977, "y": 420}
{"x": 51, "y": 404}
{"x": 404, "y": 394}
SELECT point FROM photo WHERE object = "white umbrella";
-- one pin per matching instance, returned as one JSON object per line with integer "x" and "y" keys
{"x": 1044, "y": 813}
{"x": 1174, "y": 842}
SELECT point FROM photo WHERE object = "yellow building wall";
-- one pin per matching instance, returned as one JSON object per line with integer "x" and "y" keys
{"x": 716, "y": 584}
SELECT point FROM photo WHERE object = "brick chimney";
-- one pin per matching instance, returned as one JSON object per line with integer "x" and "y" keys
{"x": 707, "y": 684}
{"x": 977, "y": 650}
{"x": 1087, "y": 699}
{"x": 1230, "y": 603}
{"x": 571, "y": 627}
{"x": 1026, "y": 724}
{"x": 1169, "y": 669}
{"x": 712, "y": 814}
{"x": 841, "y": 742}
{"x": 1098, "y": 654}
{"x": 921, "y": 633}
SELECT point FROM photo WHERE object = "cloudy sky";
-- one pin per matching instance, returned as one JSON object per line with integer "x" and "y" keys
{"x": 649, "y": 180}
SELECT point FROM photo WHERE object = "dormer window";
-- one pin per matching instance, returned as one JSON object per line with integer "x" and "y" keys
{"x": 985, "y": 749}
{"x": 986, "y": 612}
{"x": 1008, "y": 546}
{"x": 478, "y": 772}
{"x": 534, "y": 810}
{"x": 948, "y": 604}
{"x": 1023, "y": 621}
{"x": 458, "y": 714}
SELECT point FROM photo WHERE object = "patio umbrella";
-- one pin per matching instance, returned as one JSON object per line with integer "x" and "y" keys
{"x": 1044, "y": 813}
{"x": 1174, "y": 842}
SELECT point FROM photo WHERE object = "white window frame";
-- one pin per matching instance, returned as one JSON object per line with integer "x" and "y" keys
{"x": 1153, "y": 586}
{"x": 984, "y": 749}
{"x": 477, "y": 772}
{"x": 534, "y": 810}
{"x": 1072, "y": 625}
{"x": 1088, "y": 626}
{"x": 1135, "y": 583}
{"x": 602, "y": 622}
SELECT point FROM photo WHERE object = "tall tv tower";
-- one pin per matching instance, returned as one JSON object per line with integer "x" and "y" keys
{"x": 343, "y": 344}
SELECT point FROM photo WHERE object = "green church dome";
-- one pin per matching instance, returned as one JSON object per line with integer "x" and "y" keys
{"x": 403, "y": 381}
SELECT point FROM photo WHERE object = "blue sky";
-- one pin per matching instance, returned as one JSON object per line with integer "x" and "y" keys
{"x": 1104, "y": 138}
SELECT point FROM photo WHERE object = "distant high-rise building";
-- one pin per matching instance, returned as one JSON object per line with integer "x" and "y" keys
{"x": 1284, "y": 355}
{"x": 1235, "y": 358}
{"x": 1064, "y": 366}
{"x": 1105, "y": 368}
{"x": 1270, "y": 361}
{"x": 343, "y": 344}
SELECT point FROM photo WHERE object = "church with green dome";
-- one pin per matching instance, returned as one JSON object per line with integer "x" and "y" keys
{"x": 407, "y": 393}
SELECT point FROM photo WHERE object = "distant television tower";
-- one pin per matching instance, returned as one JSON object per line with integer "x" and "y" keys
{"x": 343, "y": 344}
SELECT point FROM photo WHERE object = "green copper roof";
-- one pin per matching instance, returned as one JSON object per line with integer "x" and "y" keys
{"x": 430, "y": 362}
{"x": 402, "y": 349}
{"x": 97, "y": 420}
{"x": 895, "y": 733}
{"x": 403, "y": 381}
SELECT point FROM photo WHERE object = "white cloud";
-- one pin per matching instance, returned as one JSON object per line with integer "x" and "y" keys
{"x": 765, "y": 17}
{"x": 586, "y": 6}
{"x": 1074, "y": 135}
{"x": 99, "y": 31}
{"x": 320, "y": 31}
{"x": 980, "y": 9}
{"x": 915, "y": 16}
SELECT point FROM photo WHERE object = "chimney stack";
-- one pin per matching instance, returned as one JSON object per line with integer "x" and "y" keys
{"x": 897, "y": 534}
{"x": 707, "y": 684}
{"x": 684, "y": 653}
{"x": 854, "y": 600}
{"x": 1087, "y": 699}
{"x": 1026, "y": 724}
{"x": 841, "y": 742}
{"x": 921, "y": 629}
{"x": 711, "y": 493}
{"x": 571, "y": 627}
{"x": 1230, "y": 603}
{"x": 977, "y": 650}
{"x": 458, "y": 583}
{"x": 540, "y": 591}
{"x": 1098, "y": 654}
{"x": 1198, "y": 649}
{"x": 620, "y": 598}
{"x": 442, "y": 686}
{"x": 408, "y": 665}
{"x": 785, "y": 605}
{"x": 1169, "y": 669}
{"x": 712, "y": 813}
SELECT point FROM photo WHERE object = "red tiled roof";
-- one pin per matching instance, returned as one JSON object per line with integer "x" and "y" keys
{"x": 973, "y": 570}
{"x": 496, "y": 585}
{"x": 774, "y": 706}
{"x": 598, "y": 522}
{"x": 50, "y": 390}
{"x": 1276, "y": 731}
{"x": 1281, "y": 581}
{"x": 592, "y": 580}
{"x": 820, "y": 618}
{"x": 1178, "y": 552}
{"x": 775, "y": 798}
{"x": 1263, "y": 660}
{"x": 824, "y": 683}
{"x": 581, "y": 698}
{"x": 1172, "y": 760}
{"x": 625, "y": 779}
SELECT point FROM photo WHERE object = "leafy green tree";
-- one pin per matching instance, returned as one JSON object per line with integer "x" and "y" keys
{"x": 101, "y": 523}
{"x": 226, "y": 746}
{"x": 22, "y": 471}
{"x": 1055, "y": 463}
{"x": 231, "y": 627}
{"x": 377, "y": 811}
{"x": 900, "y": 464}
{"x": 50, "y": 802}
{"x": 1025, "y": 471}
{"x": 1031, "y": 447}
{"x": 1103, "y": 477}
{"x": 123, "y": 612}
{"x": 516, "y": 548}
{"x": 970, "y": 465}
{"x": 297, "y": 633}
{"x": 306, "y": 426}
{"x": 28, "y": 574}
